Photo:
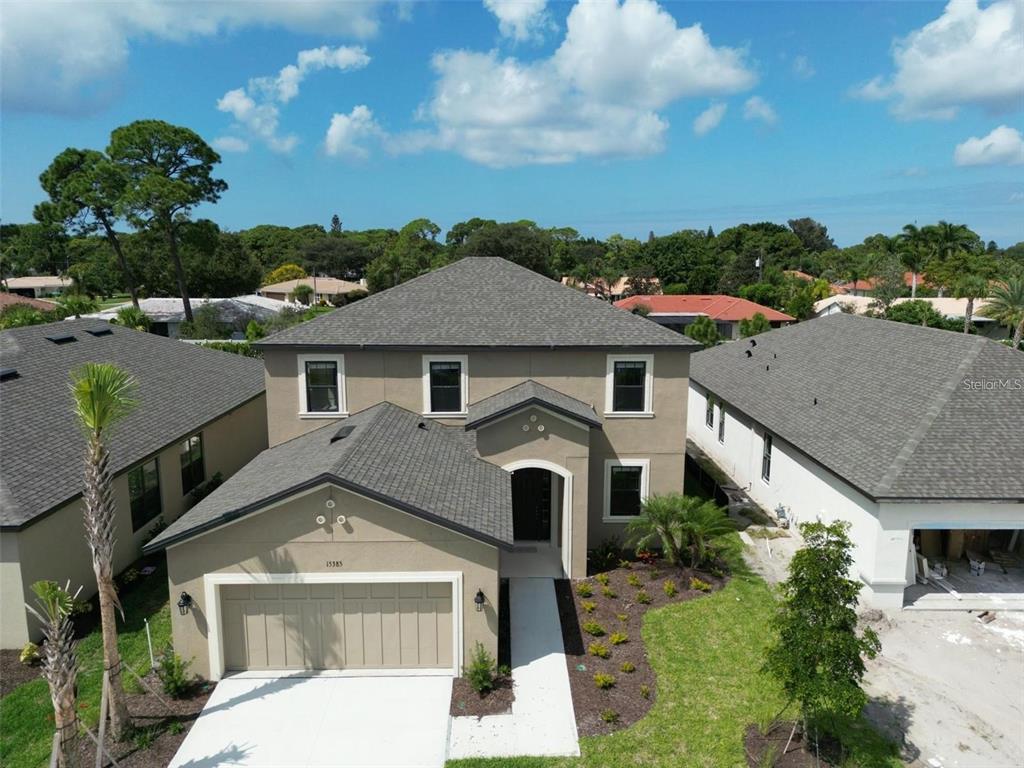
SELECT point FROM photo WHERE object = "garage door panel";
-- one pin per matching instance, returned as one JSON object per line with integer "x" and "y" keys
{"x": 265, "y": 592}
{"x": 255, "y": 619}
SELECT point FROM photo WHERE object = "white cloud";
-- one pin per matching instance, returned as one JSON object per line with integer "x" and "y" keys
{"x": 230, "y": 144}
{"x": 802, "y": 68}
{"x": 521, "y": 20}
{"x": 581, "y": 101}
{"x": 347, "y": 132}
{"x": 709, "y": 119}
{"x": 67, "y": 57}
{"x": 756, "y": 108}
{"x": 967, "y": 56}
{"x": 1003, "y": 146}
{"x": 256, "y": 107}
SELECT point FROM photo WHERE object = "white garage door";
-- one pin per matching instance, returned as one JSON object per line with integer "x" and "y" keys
{"x": 337, "y": 626}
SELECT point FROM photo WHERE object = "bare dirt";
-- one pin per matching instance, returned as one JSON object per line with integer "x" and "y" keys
{"x": 467, "y": 702}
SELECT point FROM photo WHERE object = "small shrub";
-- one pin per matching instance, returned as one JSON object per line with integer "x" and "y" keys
{"x": 602, "y": 579}
{"x": 633, "y": 580}
{"x": 175, "y": 728}
{"x": 625, "y": 565}
{"x": 130, "y": 575}
{"x": 158, "y": 527}
{"x": 481, "y": 669}
{"x": 610, "y": 716}
{"x": 655, "y": 575}
{"x": 605, "y": 555}
{"x": 144, "y": 737}
{"x": 699, "y": 584}
{"x": 623, "y": 617}
{"x": 603, "y": 681}
{"x": 770, "y": 757}
{"x": 588, "y": 606}
{"x": 29, "y": 654}
{"x": 646, "y": 557}
{"x": 504, "y": 670}
{"x": 669, "y": 588}
{"x": 628, "y": 667}
{"x": 80, "y": 607}
{"x": 618, "y": 638}
{"x": 593, "y": 628}
{"x": 645, "y": 691}
{"x": 599, "y": 649}
{"x": 584, "y": 589}
{"x": 173, "y": 673}
{"x": 609, "y": 592}
{"x": 643, "y": 598}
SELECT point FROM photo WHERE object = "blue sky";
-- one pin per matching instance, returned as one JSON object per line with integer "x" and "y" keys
{"x": 865, "y": 116}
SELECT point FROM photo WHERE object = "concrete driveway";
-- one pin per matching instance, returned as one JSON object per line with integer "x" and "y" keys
{"x": 397, "y": 722}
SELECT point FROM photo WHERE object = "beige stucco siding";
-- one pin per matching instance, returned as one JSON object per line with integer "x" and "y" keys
{"x": 54, "y": 547}
{"x": 286, "y": 539}
{"x": 13, "y": 625}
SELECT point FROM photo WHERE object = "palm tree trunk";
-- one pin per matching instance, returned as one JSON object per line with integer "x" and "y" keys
{"x": 968, "y": 314}
{"x": 129, "y": 278}
{"x": 179, "y": 271}
{"x": 913, "y": 285}
{"x": 65, "y": 719}
{"x": 99, "y": 527}
{"x": 1018, "y": 334}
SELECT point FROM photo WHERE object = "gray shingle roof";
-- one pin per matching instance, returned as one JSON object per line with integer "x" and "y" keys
{"x": 388, "y": 454}
{"x": 182, "y": 387}
{"x": 480, "y": 302}
{"x": 894, "y": 416}
{"x": 527, "y": 393}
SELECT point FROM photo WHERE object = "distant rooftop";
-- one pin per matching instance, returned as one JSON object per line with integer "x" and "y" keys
{"x": 717, "y": 307}
{"x": 172, "y": 310}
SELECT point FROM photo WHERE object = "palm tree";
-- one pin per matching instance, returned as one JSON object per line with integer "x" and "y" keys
{"x": 679, "y": 522}
{"x": 103, "y": 394}
{"x": 949, "y": 240}
{"x": 1006, "y": 304}
{"x": 702, "y": 521}
{"x": 913, "y": 249}
{"x": 60, "y": 664}
{"x": 970, "y": 287}
{"x": 132, "y": 317}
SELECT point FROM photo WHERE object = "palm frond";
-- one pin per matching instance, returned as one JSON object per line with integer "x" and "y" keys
{"x": 103, "y": 394}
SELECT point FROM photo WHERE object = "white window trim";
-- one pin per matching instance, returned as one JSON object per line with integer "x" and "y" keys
{"x": 765, "y": 437}
{"x": 463, "y": 361}
{"x": 709, "y": 401}
{"x": 342, "y": 411}
{"x": 609, "y": 387}
{"x": 720, "y": 434}
{"x": 645, "y": 474}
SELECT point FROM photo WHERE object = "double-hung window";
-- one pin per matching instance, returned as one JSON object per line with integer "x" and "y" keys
{"x": 628, "y": 385}
{"x": 193, "y": 471}
{"x": 445, "y": 385}
{"x": 766, "y": 458}
{"x": 721, "y": 423}
{"x": 321, "y": 386}
{"x": 144, "y": 492}
{"x": 709, "y": 412}
{"x": 625, "y": 488}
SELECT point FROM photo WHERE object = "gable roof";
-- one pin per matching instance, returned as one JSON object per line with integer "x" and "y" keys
{"x": 385, "y": 453}
{"x": 527, "y": 393}
{"x": 891, "y": 408}
{"x": 479, "y": 302}
{"x": 717, "y": 307}
{"x": 182, "y": 387}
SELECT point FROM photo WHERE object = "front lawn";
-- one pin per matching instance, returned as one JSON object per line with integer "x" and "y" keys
{"x": 26, "y": 715}
{"x": 707, "y": 655}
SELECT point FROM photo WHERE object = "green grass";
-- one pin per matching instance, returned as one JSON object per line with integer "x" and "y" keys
{"x": 113, "y": 301}
{"x": 707, "y": 655}
{"x": 26, "y": 715}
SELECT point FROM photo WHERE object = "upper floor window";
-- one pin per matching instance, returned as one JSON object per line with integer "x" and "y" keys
{"x": 766, "y": 458}
{"x": 322, "y": 385}
{"x": 629, "y": 384}
{"x": 721, "y": 423}
{"x": 144, "y": 493}
{"x": 445, "y": 385}
{"x": 625, "y": 488}
{"x": 193, "y": 471}
{"x": 709, "y": 412}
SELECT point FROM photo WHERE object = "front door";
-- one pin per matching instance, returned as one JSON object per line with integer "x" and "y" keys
{"x": 531, "y": 504}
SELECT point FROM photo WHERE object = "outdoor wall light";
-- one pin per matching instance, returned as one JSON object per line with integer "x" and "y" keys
{"x": 184, "y": 603}
{"x": 479, "y": 600}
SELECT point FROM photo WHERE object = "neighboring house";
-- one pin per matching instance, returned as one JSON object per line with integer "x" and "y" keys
{"x": 199, "y": 412}
{"x": 418, "y": 457}
{"x": 617, "y": 290}
{"x": 38, "y": 286}
{"x": 167, "y": 315}
{"x": 951, "y": 309}
{"x": 11, "y": 299}
{"x": 324, "y": 288}
{"x": 912, "y": 435}
{"x": 867, "y": 286}
{"x": 678, "y": 312}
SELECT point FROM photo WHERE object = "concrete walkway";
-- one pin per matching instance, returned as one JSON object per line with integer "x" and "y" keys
{"x": 542, "y": 721}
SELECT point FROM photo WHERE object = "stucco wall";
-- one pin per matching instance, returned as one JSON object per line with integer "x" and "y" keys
{"x": 287, "y": 539}
{"x": 13, "y": 624}
{"x": 54, "y": 547}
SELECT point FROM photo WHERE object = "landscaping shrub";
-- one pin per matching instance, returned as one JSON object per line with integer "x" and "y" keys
{"x": 633, "y": 580}
{"x": 646, "y": 557}
{"x": 618, "y": 638}
{"x": 130, "y": 575}
{"x": 29, "y": 654}
{"x": 602, "y": 579}
{"x": 593, "y": 628}
{"x": 625, "y": 564}
{"x": 599, "y": 649}
{"x": 481, "y": 669}
{"x": 609, "y": 592}
{"x": 645, "y": 691}
{"x": 605, "y": 555}
{"x": 173, "y": 673}
{"x": 643, "y": 597}
{"x": 622, "y": 616}
{"x": 699, "y": 584}
{"x": 588, "y": 606}
{"x": 603, "y": 681}
{"x": 243, "y": 348}
{"x": 669, "y": 588}
{"x": 80, "y": 607}
{"x": 610, "y": 716}
{"x": 584, "y": 589}
{"x": 628, "y": 667}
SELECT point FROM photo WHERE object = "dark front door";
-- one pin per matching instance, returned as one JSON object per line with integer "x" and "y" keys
{"x": 531, "y": 505}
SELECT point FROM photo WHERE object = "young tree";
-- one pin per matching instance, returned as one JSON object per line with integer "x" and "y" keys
{"x": 60, "y": 664}
{"x": 970, "y": 287}
{"x": 284, "y": 273}
{"x": 755, "y": 325}
{"x": 132, "y": 317}
{"x": 1006, "y": 304}
{"x": 169, "y": 171}
{"x": 103, "y": 394}
{"x": 818, "y": 656}
{"x": 704, "y": 331}
{"x": 335, "y": 225}
{"x": 302, "y": 293}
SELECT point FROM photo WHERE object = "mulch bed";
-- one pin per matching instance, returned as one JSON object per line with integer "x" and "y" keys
{"x": 13, "y": 673}
{"x": 468, "y": 703}
{"x": 600, "y": 711}
{"x": 766, "y": 748}
{"x": 160, "y": 728}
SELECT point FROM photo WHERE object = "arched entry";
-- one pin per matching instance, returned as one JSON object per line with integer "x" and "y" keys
{"x": 527, "y": 505}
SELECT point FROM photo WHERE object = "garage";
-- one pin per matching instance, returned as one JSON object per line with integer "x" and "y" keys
{"x": 337, "y": 626}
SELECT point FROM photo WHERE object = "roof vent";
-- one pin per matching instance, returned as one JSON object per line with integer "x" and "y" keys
{"x": 422, "y": 425}
{"x": 342, "y": 433}
{"x": 8, "y": 373}
{"x": 99, "y": 331}
{"x": 753, "y": 342}
{"x": 748, "y": 353}
{"x": 767, "y": 367}
{"x": 815, "y": 401}
{"x": 65, "y": 338}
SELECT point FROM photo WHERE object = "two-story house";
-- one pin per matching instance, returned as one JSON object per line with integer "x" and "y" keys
{"x": 476, "y": 423}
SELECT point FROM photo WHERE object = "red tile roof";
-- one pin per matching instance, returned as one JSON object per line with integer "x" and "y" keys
{"x": 872, "y": 282}
{"x": 9, "y": 299}
{"x": 724, "y": 308}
